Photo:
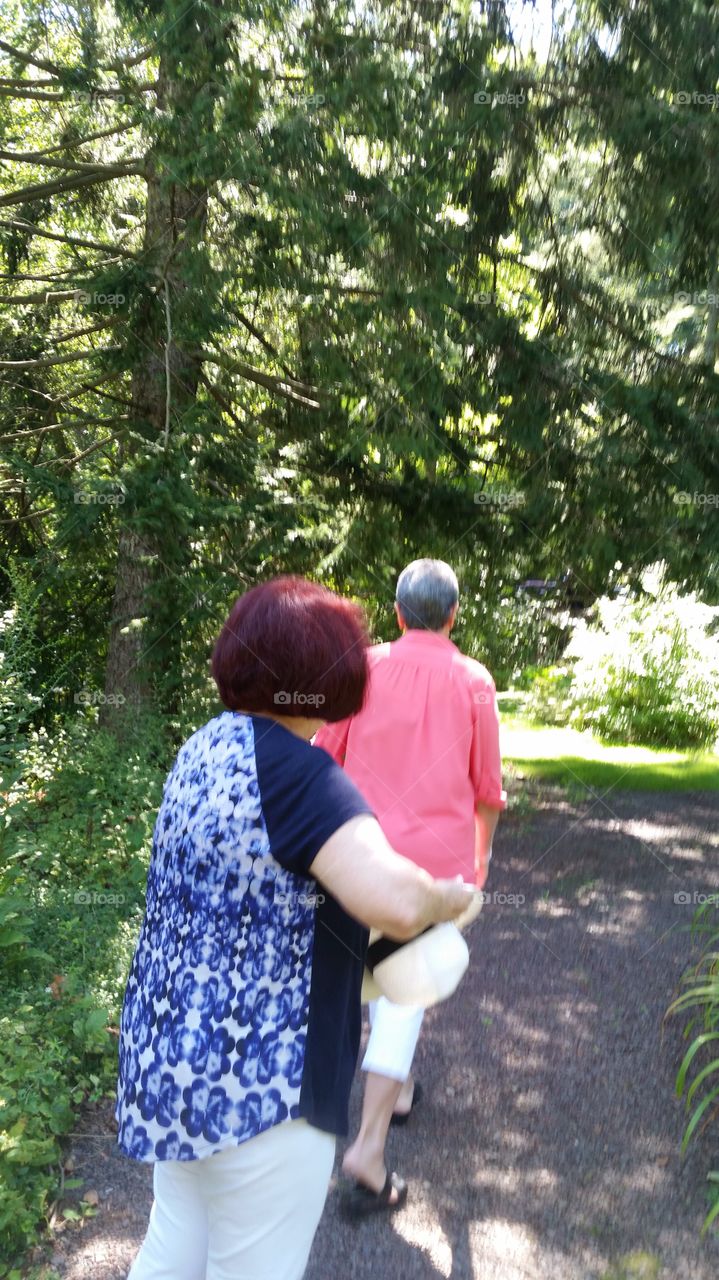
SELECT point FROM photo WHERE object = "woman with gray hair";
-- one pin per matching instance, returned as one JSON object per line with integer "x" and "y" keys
{"x": 424, "y": 752}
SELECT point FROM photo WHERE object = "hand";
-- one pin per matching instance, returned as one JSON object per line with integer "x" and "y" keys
{"x": 455, "y": 898}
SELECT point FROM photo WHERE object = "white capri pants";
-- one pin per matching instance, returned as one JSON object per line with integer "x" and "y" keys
{"x": 249, "y": 1212}
{"x": 393, "y": 1038}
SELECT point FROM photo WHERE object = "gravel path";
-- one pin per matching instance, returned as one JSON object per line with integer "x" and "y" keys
{"x": 547, "y": 1144}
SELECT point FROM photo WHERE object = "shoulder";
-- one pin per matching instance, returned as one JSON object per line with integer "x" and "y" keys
{"x": 379, "y": 653}
{"x": 475, "y": 674}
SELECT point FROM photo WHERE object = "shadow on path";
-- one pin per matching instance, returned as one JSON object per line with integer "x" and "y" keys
{"x": 547, "y": 1143}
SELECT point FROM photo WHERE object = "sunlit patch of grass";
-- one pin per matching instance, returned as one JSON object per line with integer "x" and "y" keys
{"x": 567, "y": 756}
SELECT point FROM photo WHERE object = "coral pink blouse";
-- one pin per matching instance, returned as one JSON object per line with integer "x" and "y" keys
{"x": 424, "y": 750}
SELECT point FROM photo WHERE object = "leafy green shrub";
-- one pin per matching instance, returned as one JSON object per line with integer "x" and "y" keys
{"x": 549, "y": 700}
{"x": 703, "y": 1053}
{"x": 75, "y": 834}
{"x": 648, "y": 673}
{"x": 17, "y": 655}
{"x": 510, "y": 635}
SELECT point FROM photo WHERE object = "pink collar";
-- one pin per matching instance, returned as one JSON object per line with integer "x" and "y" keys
{"x": 429, "y": 638}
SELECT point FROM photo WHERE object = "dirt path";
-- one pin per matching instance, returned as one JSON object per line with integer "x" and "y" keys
{"x": 547, "y": 1145}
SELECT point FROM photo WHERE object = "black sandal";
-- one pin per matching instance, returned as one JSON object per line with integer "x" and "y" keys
{"x": 404, "y": 1116}
{"x": 360, "y": 1200}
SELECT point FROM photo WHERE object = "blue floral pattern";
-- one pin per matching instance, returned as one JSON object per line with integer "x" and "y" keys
{"x": 214, "y": 1024}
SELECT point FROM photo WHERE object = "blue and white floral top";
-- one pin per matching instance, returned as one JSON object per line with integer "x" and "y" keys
{"x": 242, "y": 1008}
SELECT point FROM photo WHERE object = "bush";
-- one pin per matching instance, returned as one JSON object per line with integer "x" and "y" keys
{"x": 648, "y": 673}
{"x": 549, "y": 700}
{"x": 644, "y": 672}
{"x": 74, "y": 841}
{"x": 511, "y": 635}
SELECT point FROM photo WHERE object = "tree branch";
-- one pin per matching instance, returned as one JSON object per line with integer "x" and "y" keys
{"x": 65, "y": 426}
{"x": 30, "y": 60}
{"x": 291, "y": 390}
{"x": 121, "y": 64}
{"x": 71, "y": 183}
{"x": 44, "y": 299}
{"x": 78, "y": 166}
{"x": 221, "y": 400}
{"x": 17, "y": 224}
{"x": 91, "y": 137}
{"x": 27, "y": 93}
{"x": 78, "y": 457}
{"x": 82, "y": 333}
{"x": 25, "y": 83}
{"x": 251, "y": 328}
{"x": 47, "y": 361}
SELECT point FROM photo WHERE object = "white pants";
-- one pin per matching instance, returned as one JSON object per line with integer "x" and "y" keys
{"x": 393, "y": 1038}
{"x": 248, "y": 1213}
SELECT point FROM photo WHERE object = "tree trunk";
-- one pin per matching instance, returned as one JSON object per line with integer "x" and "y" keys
{"x": 144, "y": 644}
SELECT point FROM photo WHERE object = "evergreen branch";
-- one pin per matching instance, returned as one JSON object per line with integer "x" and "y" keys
{"x": 78, "y": 457}
{"x": 118, "y": 64}
{"x": 222, "y": 401}
{"x": 78, "y": 166}
{"x": 71, "y": 183}
{"x": 252, "y": 328}
{"x": 90, "y": 387}
{"x": 49, "y": 279}
{"x": 289, "y": 389}
{"x": 81, "y": 142}
{"x": 44, "y": 299}
{"x": 82, "y": 333}
{"x": 121, "y": 64}
{"x": 25, "y": 83}
{"x": 18, "y": 224}
{"x": 92, "y": 391}
{"x": 47, "y": 361}
{"x": 32, "y": 61}
{"x": 85, "y": 421}
{"x": 38, "y": 96}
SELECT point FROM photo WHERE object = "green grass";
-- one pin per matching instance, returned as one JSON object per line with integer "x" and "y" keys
{"x": 567, "y": 756}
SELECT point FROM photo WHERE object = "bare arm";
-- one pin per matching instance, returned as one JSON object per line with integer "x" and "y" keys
{"x": 486, "y": 825}
{"x": 379, "y": 887}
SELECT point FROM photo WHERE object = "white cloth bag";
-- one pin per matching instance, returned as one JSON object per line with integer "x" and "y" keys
{"x": 424, "y": 970}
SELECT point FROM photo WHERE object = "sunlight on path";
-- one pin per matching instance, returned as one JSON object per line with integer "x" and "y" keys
{"x": 502, "y": 1248}
{"x": 419, "y": 1226}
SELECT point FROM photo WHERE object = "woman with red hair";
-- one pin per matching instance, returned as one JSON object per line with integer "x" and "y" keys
{"x": 241, "y": 1022}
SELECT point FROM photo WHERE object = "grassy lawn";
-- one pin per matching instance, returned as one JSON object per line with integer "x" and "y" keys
{"x": 565, "y": 755}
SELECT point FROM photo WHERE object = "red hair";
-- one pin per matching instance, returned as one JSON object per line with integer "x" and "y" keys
{"x": 293, "y": 647}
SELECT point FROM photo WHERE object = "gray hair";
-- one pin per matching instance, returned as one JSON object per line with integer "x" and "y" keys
{"x": 427, "y": 591}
